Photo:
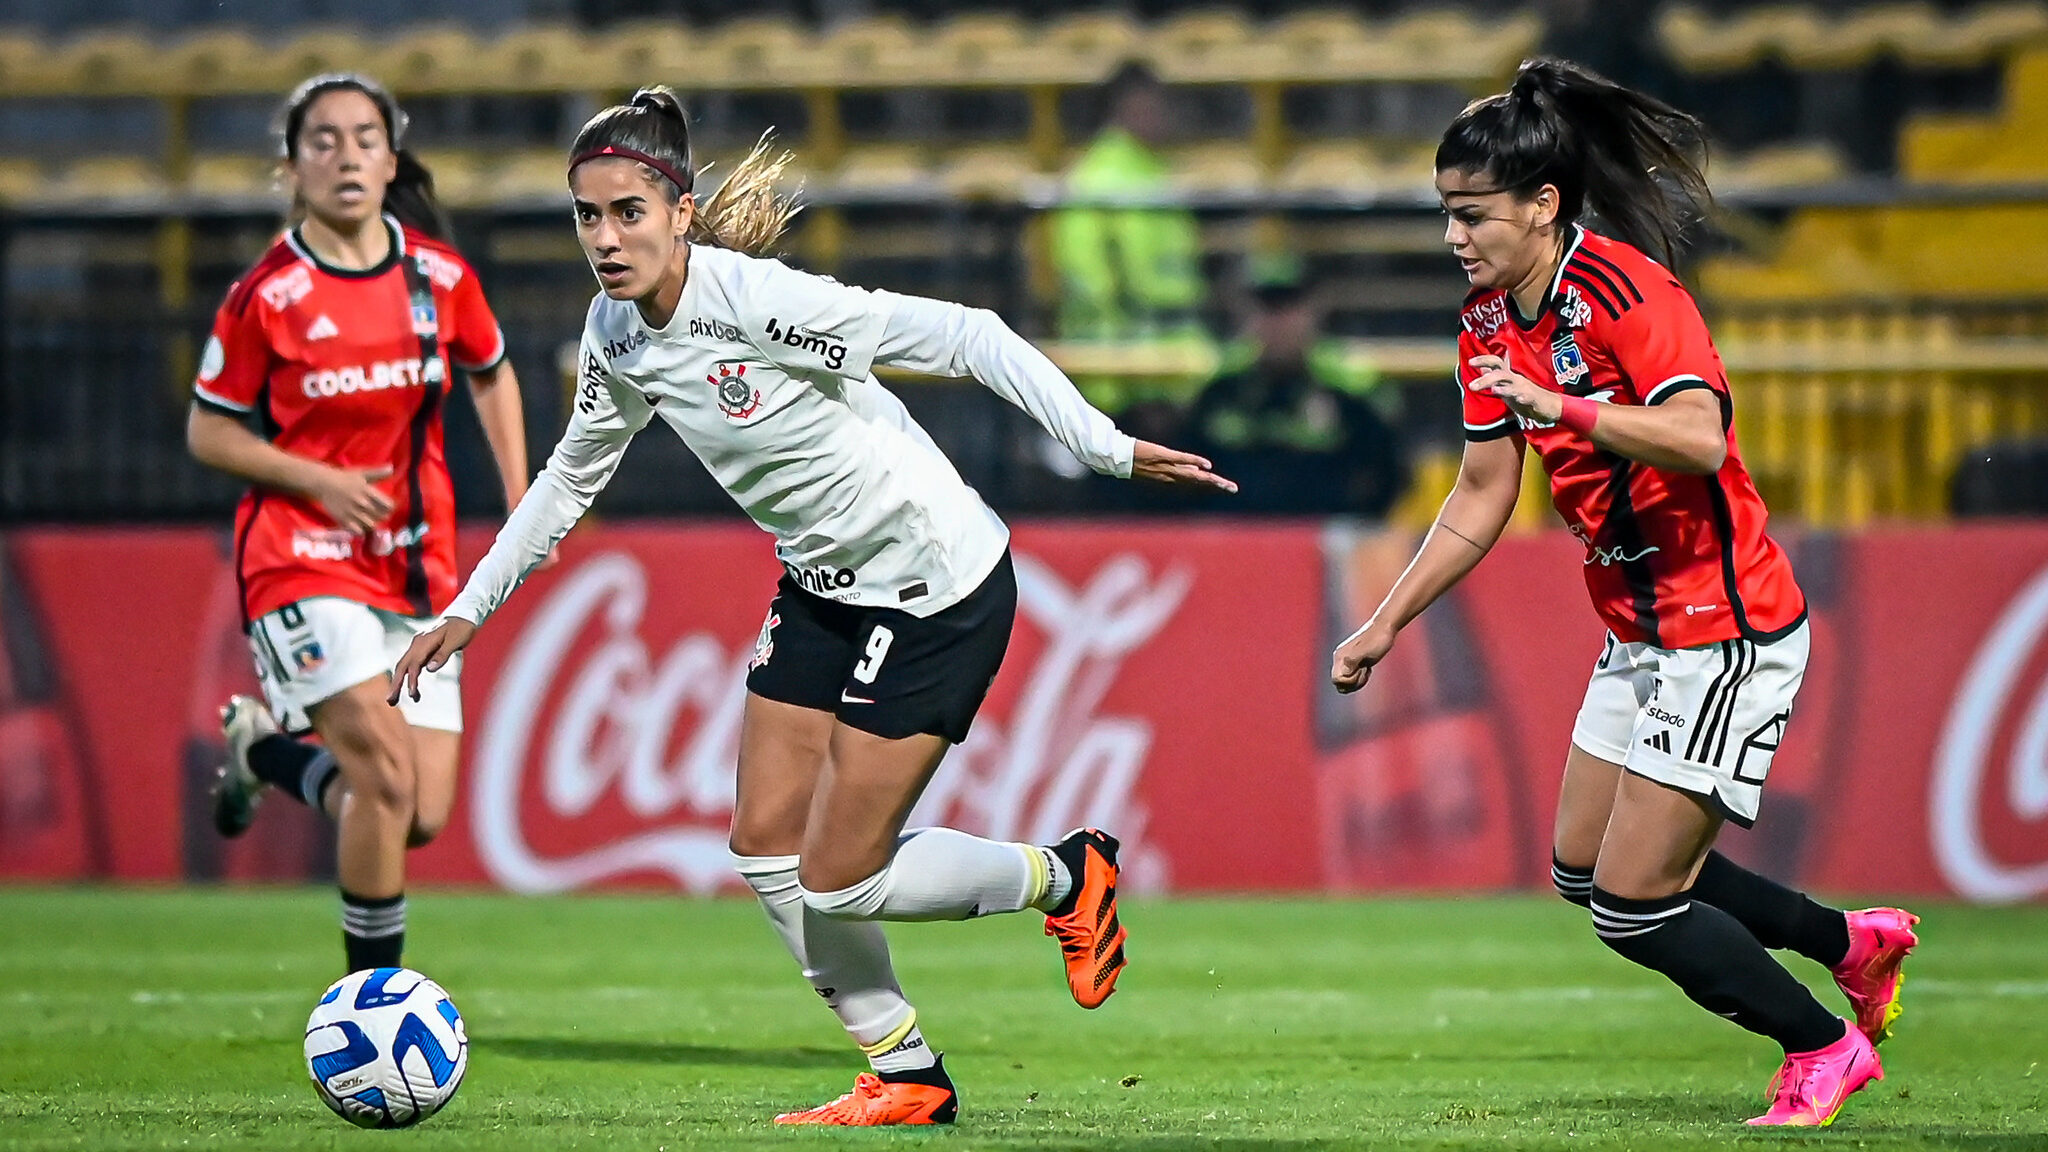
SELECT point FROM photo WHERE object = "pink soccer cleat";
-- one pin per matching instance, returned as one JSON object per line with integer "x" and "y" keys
{"x": 1879, "y": 939}
{"x": 1811, "y": 1087}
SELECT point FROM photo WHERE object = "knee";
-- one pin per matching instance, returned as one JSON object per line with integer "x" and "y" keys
{"x": 424, "y": 830}
{"x": 380, "y": 777}
{"x": 1573, "y": 883}
{"x": 750, "y": 841}
{"x": 861, "y": 900}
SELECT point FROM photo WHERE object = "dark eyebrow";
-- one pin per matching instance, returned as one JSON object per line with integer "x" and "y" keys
{"x": 628, "y": 201}
{"x": 365, "y": 126}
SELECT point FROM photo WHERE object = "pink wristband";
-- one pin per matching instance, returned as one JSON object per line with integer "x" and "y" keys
{"x": 1579, "y": 415}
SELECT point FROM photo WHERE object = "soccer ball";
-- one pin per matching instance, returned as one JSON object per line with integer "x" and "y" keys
{"x": 386, "y": 1048}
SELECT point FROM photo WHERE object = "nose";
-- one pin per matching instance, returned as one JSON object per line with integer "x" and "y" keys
{"x": 1454, "y": 232}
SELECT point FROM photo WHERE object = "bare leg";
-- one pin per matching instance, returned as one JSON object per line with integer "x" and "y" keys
{"x": 373, "y": 746}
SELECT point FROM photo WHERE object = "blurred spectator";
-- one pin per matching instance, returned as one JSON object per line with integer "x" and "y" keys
{"x": 1130, "y": 275}
{"x": 1299, "y": 427}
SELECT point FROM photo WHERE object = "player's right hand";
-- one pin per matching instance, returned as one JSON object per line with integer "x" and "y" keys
{"x": 1351, "y": 665}
{"x": 1164, "y": 465}
{"x": 427, "y": 653}
{"x": 351, "y": 496}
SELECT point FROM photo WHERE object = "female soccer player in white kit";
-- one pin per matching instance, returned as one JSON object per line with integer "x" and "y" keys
{"x": 898, "y": 595}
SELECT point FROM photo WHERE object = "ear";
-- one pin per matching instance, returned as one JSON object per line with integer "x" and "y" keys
{"x": 1547, "y": 201}
{"x": 686, "y": 214}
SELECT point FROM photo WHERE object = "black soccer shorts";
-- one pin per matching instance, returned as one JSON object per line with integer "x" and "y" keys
{"x": 882, "y": 670}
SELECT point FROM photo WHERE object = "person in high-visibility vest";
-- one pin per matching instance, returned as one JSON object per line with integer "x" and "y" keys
{"x": 1131, "y": 275}
{"x": 1307, "y": 429}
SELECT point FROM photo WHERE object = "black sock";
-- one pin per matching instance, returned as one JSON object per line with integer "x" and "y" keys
{"x": 1574, "y": 884}
{"x": 936, "y": 1077}
{"x": 372, "y": 930}
{"x": 1776, "y": 915}
{"x": 298, "y": 769}
{"x": 1717, "y": 963}
{"x": 1072, "y": 852}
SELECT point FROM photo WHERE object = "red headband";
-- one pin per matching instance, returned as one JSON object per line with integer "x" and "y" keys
{"x": 630, "y": 154}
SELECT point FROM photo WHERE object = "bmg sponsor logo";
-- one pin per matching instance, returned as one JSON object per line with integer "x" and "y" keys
{"x": 827, "y": 348}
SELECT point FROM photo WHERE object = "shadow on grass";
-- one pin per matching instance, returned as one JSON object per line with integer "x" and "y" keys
{"x": 1598, "y": 1110}
{"x": 658, "y": 1052}
{"x": 1175, "y": 1144}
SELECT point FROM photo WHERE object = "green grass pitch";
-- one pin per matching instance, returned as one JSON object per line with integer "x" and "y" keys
{"x": 173, "y": 1019}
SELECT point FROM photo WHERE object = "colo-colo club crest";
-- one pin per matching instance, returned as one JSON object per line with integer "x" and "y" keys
{"x": 736, "y": 398}
{"x": 1568, "y": 365}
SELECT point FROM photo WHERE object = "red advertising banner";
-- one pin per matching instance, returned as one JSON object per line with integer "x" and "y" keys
{"x": 1167, "y": 679}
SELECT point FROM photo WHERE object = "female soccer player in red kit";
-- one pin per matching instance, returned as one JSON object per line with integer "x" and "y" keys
{"x": 343, "y": 341}
{"x": 1586, "y": 349}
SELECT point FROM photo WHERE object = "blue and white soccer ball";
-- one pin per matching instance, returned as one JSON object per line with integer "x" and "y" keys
{"x": 386, "y": 1048}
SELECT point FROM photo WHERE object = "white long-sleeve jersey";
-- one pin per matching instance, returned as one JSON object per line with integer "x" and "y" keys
{"x": 765, "y": 372}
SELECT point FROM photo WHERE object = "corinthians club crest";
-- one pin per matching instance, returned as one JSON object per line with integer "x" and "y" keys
{"x": 736, "y": 398}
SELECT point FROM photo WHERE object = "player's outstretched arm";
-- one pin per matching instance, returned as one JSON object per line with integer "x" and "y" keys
{"x": 502, "y": 415}
{"x": 1489, "y": 481}
{"x": 947, "y": 339}
{"x": 428, "y": 652}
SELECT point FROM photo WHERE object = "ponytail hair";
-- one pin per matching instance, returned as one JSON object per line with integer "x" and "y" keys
{"x": 1631, "y": 159}
{"x": 410, "y": 195}
{"x": 746, "y": 214}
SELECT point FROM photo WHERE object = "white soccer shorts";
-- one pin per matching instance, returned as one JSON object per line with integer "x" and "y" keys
{"x": 321, "y": 647}
{"x": 1703, "y": 720}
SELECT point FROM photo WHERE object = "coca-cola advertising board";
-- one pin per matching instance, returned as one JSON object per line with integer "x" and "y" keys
{"x": 1167, "y": 679}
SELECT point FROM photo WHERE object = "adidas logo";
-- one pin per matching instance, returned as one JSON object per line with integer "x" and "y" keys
{"x": 322, "y": 329}
{"x": 1661, "y": 741}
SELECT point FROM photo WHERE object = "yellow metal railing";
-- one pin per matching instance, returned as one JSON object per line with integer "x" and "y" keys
{"x": 1852, "y": 415}
{"x": 1844, "y": 416}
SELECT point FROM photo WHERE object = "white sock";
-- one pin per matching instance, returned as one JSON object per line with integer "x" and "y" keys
{"x": 904, "y": 1055}
{"x": 846, "y": 961}
{"x": 943, "y": 874}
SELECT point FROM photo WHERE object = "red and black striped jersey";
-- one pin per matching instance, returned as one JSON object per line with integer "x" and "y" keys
{"x": 350, "y": 367}
{"x": 1672, "y": 560}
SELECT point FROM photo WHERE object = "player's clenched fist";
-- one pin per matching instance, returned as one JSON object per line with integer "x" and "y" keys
{"x": 1351, "y": 665}
{"x": 428, "y": 652}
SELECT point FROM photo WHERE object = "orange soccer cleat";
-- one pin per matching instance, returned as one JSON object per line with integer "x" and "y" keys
{"x": 1091, "y": 936}
{"x": 875, "y": 1101}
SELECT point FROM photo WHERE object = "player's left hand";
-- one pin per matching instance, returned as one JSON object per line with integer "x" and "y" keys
{"x": 1523, "y": 396}
{"x": 1352, "y": 663}
{"x": 428, "y": 652}
{"x": 1159, "y": 463}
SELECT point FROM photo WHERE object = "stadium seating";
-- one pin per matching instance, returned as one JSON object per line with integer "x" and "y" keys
{"x": 765, "y": 54}
{"x": 1853, "y": 403}
{"x": 1808, "y": 38}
